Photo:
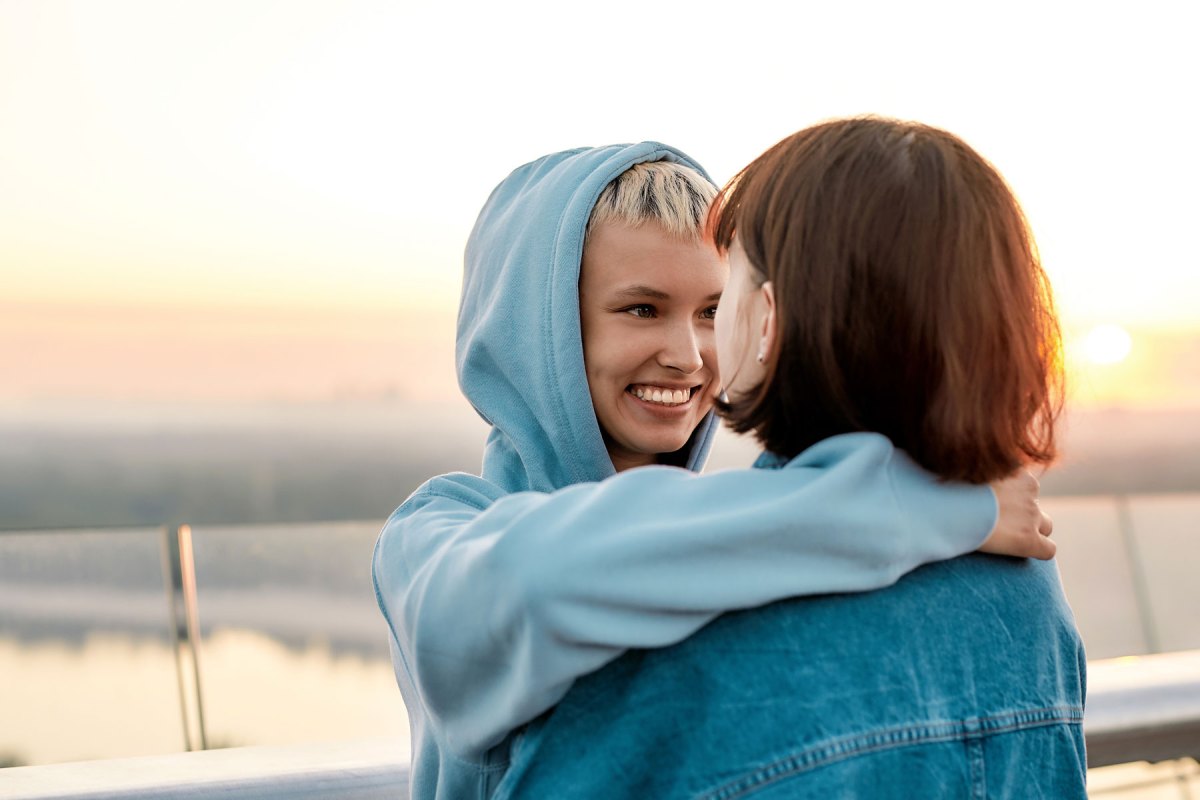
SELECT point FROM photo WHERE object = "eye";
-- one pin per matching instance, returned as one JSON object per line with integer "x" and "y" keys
{"x": 641, "y": 310}
{"x": 709, "y": 313}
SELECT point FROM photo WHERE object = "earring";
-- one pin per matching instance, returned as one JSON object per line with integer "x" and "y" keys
{"x": 761, "y": 356}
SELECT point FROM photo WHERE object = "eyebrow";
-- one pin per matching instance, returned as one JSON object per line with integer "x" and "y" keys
{"x": 641, "y": 290}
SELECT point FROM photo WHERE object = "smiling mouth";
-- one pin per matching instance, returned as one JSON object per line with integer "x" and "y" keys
{"x": 662, "y": 395}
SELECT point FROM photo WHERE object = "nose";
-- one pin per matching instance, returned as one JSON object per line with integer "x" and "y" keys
{"x": 681, "y": 349}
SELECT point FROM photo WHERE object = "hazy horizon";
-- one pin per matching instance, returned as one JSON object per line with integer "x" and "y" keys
{"x": 161, "y": 356}
{"x": 357, "y": 459}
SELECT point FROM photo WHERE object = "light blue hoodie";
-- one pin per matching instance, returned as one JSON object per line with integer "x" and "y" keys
{"x": 500, "y": 590}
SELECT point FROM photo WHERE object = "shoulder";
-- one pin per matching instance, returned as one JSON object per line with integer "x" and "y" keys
{"x": 863, "y": 446}
{"x": 456, "y": 488}
{"x": 421, "y": 521}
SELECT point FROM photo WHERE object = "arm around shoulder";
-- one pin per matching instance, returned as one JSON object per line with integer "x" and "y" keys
{"x": 499, "y": 602}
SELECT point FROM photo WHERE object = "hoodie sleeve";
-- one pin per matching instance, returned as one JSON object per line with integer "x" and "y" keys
{"x": 497, "y": 605}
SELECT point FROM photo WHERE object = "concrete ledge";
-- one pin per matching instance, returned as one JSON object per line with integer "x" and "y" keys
{"x": 1143, "y": 708}
{"x": 362, "y": 770}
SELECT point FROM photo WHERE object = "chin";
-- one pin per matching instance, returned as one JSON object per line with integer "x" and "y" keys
{"x": 658, "y": 444}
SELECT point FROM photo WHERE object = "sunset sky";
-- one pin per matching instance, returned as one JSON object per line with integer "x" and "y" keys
{"x": 268, "y": 200}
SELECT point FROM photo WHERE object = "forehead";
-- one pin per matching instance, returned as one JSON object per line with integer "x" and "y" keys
{"x": 618, "y": 255}
{"x": 739, "y": 262}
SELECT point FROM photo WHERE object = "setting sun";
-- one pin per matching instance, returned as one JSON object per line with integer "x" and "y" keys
{"x": 1107, "y": 344}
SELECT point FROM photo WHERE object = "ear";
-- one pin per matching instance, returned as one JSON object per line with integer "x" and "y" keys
{"x": 766, "y": 342}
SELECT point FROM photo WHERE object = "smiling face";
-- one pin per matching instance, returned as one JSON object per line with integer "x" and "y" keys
{"x": 647, "y": 301}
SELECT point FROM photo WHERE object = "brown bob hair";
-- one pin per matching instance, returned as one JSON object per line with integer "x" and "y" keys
{"x": 910, "y": 300}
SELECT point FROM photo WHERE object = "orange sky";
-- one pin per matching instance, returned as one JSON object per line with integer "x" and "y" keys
{"x": 142, "y": 354}
{"x": 259, "y": 200}
{"x": 187, "y": 354}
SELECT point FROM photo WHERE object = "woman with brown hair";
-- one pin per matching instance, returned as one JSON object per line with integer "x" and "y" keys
{"x": 586, "y": 339}
{"x": 883, "y": 282}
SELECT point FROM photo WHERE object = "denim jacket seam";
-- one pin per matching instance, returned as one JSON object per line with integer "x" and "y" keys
{"x": 889, "y": 738}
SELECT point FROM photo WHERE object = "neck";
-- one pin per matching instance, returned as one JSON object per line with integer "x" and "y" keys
{"x": 624, "y": 460}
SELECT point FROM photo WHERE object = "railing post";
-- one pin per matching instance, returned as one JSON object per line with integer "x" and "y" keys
{"x": 179, "y": 575}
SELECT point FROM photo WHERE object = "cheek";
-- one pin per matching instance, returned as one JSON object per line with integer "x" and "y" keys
{"x": 727, "y": 311}
{"x": 709, "y": 351}
{"x": 725, "y": 344}
{"x": 734, "y": 351}
{"x": 611, "y": 352}
{"x": 721, "y": 333}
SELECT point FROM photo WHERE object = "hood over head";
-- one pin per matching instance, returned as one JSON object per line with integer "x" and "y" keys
{"x": 519, "y": 347}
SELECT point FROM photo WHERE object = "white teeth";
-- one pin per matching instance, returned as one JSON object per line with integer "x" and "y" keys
{"x": 654, "y": 394}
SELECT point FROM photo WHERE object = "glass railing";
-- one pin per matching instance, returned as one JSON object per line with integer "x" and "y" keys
{"x": 142, "y": 642}
{"x": 86, "y": 647}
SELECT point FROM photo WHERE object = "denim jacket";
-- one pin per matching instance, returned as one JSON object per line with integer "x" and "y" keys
{"x": 965, "y": 679}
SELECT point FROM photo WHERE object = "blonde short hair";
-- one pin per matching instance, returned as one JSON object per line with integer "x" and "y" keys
{"x": 673, "y": 195}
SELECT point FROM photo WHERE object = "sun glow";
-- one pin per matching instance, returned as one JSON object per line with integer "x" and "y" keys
{"x": 1107, "y": 344}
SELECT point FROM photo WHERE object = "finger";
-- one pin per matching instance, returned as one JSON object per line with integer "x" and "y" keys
{"x": 1046, "y": 526}
{"x": 1047, "y": 550}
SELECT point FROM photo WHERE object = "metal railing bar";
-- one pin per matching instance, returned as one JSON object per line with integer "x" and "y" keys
{"x": 179, "y": 576}
{"x": 375, "y": 769}
{"x": 140, "y": 528}
{"x": 1143, "y": 708}
{"x": 1137, "y": 574}
{"x": 1182, "y": 772}
{"x": 187, "y": 563}
{"x": 173, "y": 583}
